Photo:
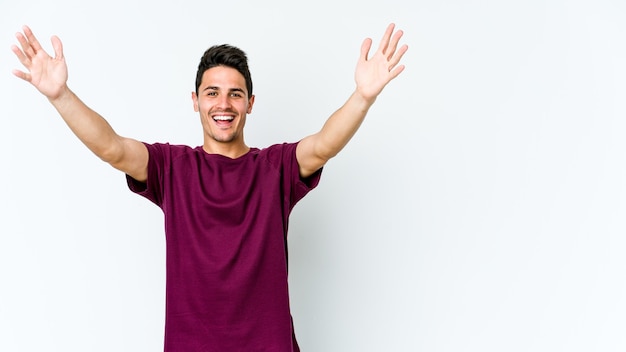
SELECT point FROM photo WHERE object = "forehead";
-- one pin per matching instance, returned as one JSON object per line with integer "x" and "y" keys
{"x": 223, "y": 77}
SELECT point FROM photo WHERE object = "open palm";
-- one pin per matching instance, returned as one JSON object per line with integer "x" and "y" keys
{"x": 373, "y": 73}
{"x": 48, "y": 74}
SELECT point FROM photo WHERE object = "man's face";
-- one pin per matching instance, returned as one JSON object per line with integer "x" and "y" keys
{"x": 223, "y": 103}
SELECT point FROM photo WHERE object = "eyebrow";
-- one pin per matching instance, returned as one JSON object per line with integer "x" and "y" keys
{"x": 218, "y": 88}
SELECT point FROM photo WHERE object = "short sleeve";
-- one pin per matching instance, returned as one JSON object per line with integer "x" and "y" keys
{"x": 297, "y": 186}
{"x": 152, "y": 189}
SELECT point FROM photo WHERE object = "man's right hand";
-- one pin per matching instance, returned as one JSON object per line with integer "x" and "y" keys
{"x": 47, "y": 74}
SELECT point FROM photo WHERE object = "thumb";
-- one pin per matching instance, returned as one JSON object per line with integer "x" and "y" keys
{"x": 365, "y": 49}
{"x": 58, "y": 47}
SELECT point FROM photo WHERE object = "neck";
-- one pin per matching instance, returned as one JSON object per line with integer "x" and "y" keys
{"x": 227, "y": 150}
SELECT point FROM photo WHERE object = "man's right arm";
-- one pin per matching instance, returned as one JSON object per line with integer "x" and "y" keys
{"x": 125, "y": 154}
{"x": 49, "y": 76}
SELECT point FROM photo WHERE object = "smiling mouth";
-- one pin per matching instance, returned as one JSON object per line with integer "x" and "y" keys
{"x": 223, "y": 121}
{"x": 223, "y": 118}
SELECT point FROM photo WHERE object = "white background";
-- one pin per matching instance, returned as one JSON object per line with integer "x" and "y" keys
{"x": 481, "y": 206}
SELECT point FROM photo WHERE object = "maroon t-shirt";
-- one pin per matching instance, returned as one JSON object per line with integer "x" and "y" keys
{"x": 226, "y": 237}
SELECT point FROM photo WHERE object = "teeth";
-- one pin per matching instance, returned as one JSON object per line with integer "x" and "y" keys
{"x": 223, "y": 118}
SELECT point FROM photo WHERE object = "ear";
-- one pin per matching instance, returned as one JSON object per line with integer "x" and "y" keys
{"x": 250, "y": 103}
{"x": 194, "y": 97}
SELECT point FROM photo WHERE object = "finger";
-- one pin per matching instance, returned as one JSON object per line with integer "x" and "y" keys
{"x": 23, "y": 75}
{"x": 20, "y": 55}
{"x": 31, "y": 39}
{"x": 57, "y": 46}
{"x": 365, "y": 48}
{"x": 26, "y": 48}
{"x": 394, "y": 44}
{"x": 396, "y": 71}
{"x": 384, "y": 42}
{"x": 395, "y": 59}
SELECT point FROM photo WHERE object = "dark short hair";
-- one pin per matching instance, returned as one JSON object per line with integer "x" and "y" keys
{"x": 225, "y": 55}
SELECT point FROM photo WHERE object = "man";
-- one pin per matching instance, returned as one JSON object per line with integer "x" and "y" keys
{"x": 226, "y": 205}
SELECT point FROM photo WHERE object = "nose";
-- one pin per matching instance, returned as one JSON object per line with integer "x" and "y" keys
{"x": 223, "y": 101}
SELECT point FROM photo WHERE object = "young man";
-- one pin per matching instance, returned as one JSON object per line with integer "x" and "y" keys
{"x": 226, "y": 205}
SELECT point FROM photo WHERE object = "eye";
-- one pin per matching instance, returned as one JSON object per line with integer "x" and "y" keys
{"x": 235, "y": 95}
{"x": 211, "y": 93}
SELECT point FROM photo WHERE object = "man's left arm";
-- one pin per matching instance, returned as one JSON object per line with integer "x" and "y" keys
{"x": 371, "y": 76}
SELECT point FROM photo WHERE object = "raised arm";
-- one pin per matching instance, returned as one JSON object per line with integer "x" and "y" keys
{"x": 371, "y": 76}
{"x": 49, "y": 75}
